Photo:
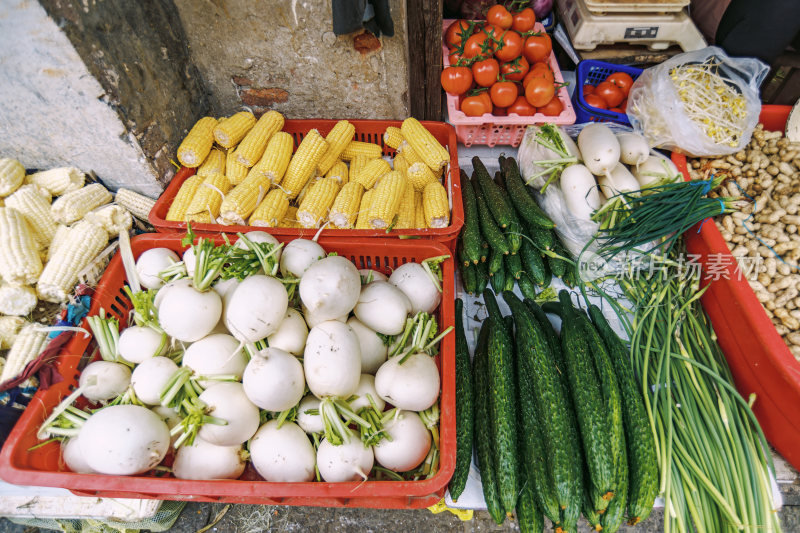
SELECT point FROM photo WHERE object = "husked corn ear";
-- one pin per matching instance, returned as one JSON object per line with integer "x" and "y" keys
{"x": 17, "y": 300}
{"x": 420, "y": 175}
{"x": 339, "y": 172}
{"x": 400, "y": 164}
{"x": 338, "y": 138}
{"x": 304, "y": 163}
{"x": 233, "y": 129}
{"x": 313, "y": 211}
{"x": 436, "y": 205}
{"x": 12, "y": 174}
{"x": 290, "y": 219}
{"x": 386, "y": 201}
{"x": 20, "y": 262}
{"x": 74, "y": 205}
{"x": 197, "y": 143}
{"x": 214, "y": 162}
{"x": 80, "y": 247}
{"x": 179, "y": 205}
{"x": 113, "y": 218}
{"x": 27, "y": 346}
{"x": 208, "y": 199}
{"x": 252, "y": 146}
{"x": 425, "y": 144}
{"x": 271, "y": 211}
{"x": 59, "y": 238}
{"x": 405, "y": 213}
{"x": 243, "y": 199}
{"x": 10, "y": 327}
{"x": 33, "y": 203}
{"x": 362, "y": 221}
{"x": 357, "y": 164}
{"x": 419, "y": 212}
{"x": 392, "y": 137}
{"x": 276, "y": 157}
{"x": 368, "y": 150}
{"x": 235, "y": 171}
{"x": 345, "y": 207}
{"x": 137, "y": 204}
{"x": 304, "y": 190}
{"x": 372, "y": 173}
{"x": 58, "y": 181}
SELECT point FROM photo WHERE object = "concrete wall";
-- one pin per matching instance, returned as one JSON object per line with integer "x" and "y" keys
{"x": 283, "y": 55}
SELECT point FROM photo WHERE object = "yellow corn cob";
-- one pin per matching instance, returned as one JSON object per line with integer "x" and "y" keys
{"x": 338, "y": 139}
{"x": 386, "y": 201}
{"x": 12, "y": 174}
{"x": 400, "y": 164}
{"x": 243, "y": 199}
{"x": 19, "y": 256}
{"x": 313, "y": 211}
{"x": 425, "y": 144}
{"x": 17, "y": 300}
{"x": 357, "y": 164}
{"x": 197, "y": 143}
{"x": 436, "y": 205}
{"x": 362, "y": 221}
{"x": 276, "y": 157}
{"x": 420, "y": 175}
{"x": 304, "y": 190}
{"x": 271, "y": 211}
{"x": 27, "y": 346}
{"x": 345, "y": 207}
{"x": 411, "y": 157}
{"x": 179, "y": 205}
{"x": 33, "y": 203}
{"x": 136, "y": 204}
{"x": 290, "y": 219}
{"x": 208, "y": 199}
{"x": 74, "y": 205}
{"x": 58, "y": 181}
{"x": 214, "y": 162}
{"x": 405, "y": 213}
{"x": 59, "y": 238}
{"x": 339, "y": 172}
{"x": 233, "y": 129}
{"x": 304, "y": 163}
{"x": 419, "y": 212}
{"x": 354, "y": 148}
{"x": 80, "y": 247}
{"x": 10, "y": 327}
{"x": 252, "y": 146}
{"x": 392, "y": 137}
{"x": 113, "y": 218}
{"x": 372, "y": 173}
{"x": 235, "y": 171}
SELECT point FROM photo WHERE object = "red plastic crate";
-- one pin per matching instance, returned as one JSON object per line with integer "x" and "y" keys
{"x": 367, "y": 131}
{"x": 760, "y": 361}
{"x": 43, "y": 466}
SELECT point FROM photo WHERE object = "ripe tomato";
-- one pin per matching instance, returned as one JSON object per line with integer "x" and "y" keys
{"x": 499, "y": 16}
{"x": 515, "y": 70}
{"x": 486, "y": 99}
{"x": 457, "y": 32}
{"x": 522, "y": 107}
{"x": 500, "y": 112}
{"x": 621, "y": 80}
{"x": 503, "y": 93}
{"x": 478, "y": 45}
{"x": 609, "y": 92}
{"x": 485, "y": 72}
{"x": 592, "y": 100}
{"x": 539, "y": 91}
{"x": 455, "y": 56}
{"x": 537, "y": 48}
{"x": 624, "y": 106}
{"x": 588, "y": 89}
{"x": 524, "y": 20}
{"x": 544, "y": 73}
{"x": 456, "y": 80}
{"x": 615, "y": 109}
{"x": 474, "y": 106}
{"x": 553, "y": 108}
{"x": 509, "y": 47}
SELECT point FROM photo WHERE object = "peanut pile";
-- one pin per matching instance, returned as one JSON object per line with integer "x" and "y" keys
{"x": 768, "y": 170}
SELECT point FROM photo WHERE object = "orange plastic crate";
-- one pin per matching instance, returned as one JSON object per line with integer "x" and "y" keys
{"x": 44, "y": 467}
{"x": 367, "y": 131}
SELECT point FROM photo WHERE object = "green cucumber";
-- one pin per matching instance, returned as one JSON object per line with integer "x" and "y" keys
{"x": 521, "y": 197}
{"x": 542, "y": 239}
{"x": 532, "y": 262}
{"x": 513, "y": 264}
{"x": 529, "y": 516}
{"x": 464, "y": 409}
{"x": 514, "y": 232}
{"x": 489, "y": 229}
{"x": 469, "y": 278}
{"x": 558, "y": 266}
{"x": 471, "y": 234}
{"x": 612, "y": 519}
{"x": 587, "y": 508}
{"x": 526, "y": 286}
{"x": 495, "y": 262}
{"x": 498, "y": 279}
{"x": 481, "y": 277}
{"x": 501, "y": 209}
{"x": 510, "y": 281}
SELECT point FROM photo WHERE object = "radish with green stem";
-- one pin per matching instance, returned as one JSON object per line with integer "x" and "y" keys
{"x": 291, "y": 334}
{"x": 150, "y": 377}
{"x": 150, "y": 264}
{"x": 383, "y": 307}
{"x": 656, "y": 170}
{"x": 368, "y": 276}
{"x": 106, "y": 335}
{"x": 581, "y": 195}
{"x": 350, "y": 461}
{"x": 373, "y": 350}
{"x": 308, "y": 416}
{"x": 261, "y": 237}
{"x": 553, "y": 151}
{"x": 599, "y": 147}
{"x": 139, "y": 343}
{"x": 330, "y": 288}
{"x": 228, "y": 402}
{"x": 313, "y": 320}
{"x": 332, "y": 360}
{"x": 166, "y": 289}
{"x": 203, "y": 460}
{"x": 256, "y": 308}
{"x": 217, "y": 355}
{"x": 407, "y": 442}
{"x": 411, "y": 384}
{"x": 273, "y": 380}
{"x": 633, "y": 148}
{"x": 73, "y": 458}
{"x": 365, "y": 390}
{"x": 103, "y": 380}
{"x": 283, "y": 454}
{"x": 188, "y": 314}
{"x": 298, "y": 255}
{"x": 170, "y": 417}
{"x": 189, "y": 261}
{"x": 420, "y": 283}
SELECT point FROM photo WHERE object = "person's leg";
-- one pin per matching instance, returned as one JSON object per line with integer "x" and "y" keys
{"x": 758, "y": 28}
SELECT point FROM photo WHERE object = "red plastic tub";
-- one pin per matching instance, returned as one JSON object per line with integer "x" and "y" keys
{"x": 367, "y": 131}
{"x": 43, "y": 466}
{"x": 760, "y": 361}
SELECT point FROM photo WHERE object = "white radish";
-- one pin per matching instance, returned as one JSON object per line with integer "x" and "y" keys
{"x": 150, "y": 377}
{"x": 283, "y": 454}
{"x": 580, "y": 191}
{"x": 417, "y": 285}
{"x": 332, "y": 360}
{"x": 409, "y": 445}
{"x": 225, "y": 288}
{"x": 260, "y": 237}
{"x": 373, "y": 350}
{"x": 137, "y": 343}
{"x": 203, "y": 460}
{"x": 291, "y": 334}
{"x": 599, "y": 147}
{"x": 656, "y": 169}
{"x": 187, "y": 314}
{"x": 368, "y": 275}
{"x": 366, "y": 386}
{"x": 350, "y": 461}
{"x": 412, "y": 385}
{"x": 166, "y": 289}
{"x": 189, "y": 261}
{"x": 311, "y": 423}
{"x": 619, "y": 180}
{"x": 71, "y": 452}
{"x": 383, "y": 307}
{"x": 256, "y": 308}
{"x": 227, "y": 401}
{"x": 124, "y": 440}
{"x": 273, "y": 380}
{"x": 298, "y": 255}
{"x": 313, "y": 320}
{"x": 104, "y": 380}
{"x": 330, "y": 287}
{"x": 215, "y": 355}
{"x": 633, "y": 148}
{"x": 150, "y": 263}
{"x": 170, "y": 417}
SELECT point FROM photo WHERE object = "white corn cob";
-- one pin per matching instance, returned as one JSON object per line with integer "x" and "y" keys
{"x": 137, "y": 204}
{"x": 27, "y": 346}
{"x": 20, "y": 262}
{"x": 12, "y": 174}
{"x": 58, "y": 239}
{"x": 113, "y": 218}
{"x": 17, "y": 300}
{"x": 58, "y": 181}
{"x": 74, "y": 205}
{"x": 33, "y": 203}
{"x": 81, "y": 245}
{"x": 10, "y": 327}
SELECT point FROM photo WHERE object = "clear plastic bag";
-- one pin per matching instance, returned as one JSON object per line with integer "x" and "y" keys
{"x": 697, "y": 127}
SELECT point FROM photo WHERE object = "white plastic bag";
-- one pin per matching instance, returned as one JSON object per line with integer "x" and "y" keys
{"x": 657, "y": 111}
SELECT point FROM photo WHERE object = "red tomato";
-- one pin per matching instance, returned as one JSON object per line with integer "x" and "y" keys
{"x": 621, "y": 80}
{"x": 522, "y": 107}
{"x": 544, "y": 73}
{"x": 588, "y": 89}
{"x": 503, "y": 93}
{"x": 624, "y": 106}
{"x": 500, "y": 112}
{"x": 486, "y": 99}
{"x": 499, "y": 16}
{"x": 524, "y": 20}
{"x": 609, "y": 92}
{"x": 592, "y": 100}
{"x": 539, "y": 91}
{"x": 485, "y": 72}
{"x": 474, "y": 106}
{"x": 615, "y": 109}
{"x": 478, "y": 45}
{"x": 456, "y": 80}
{"x": 457, "y": 32}
{"x": 515, "y": 70}
{"x": 509, "y": 47}
{"x": 493, "y": 34}
{"x": 553, "y": 108}
{"x": 537, "y": 48}
{"x": 455, "y": 56}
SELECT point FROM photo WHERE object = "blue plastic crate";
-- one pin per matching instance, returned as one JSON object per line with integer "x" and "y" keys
{"x": 593, "y": 72}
